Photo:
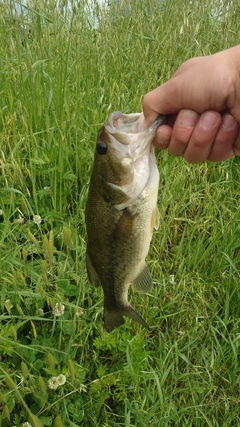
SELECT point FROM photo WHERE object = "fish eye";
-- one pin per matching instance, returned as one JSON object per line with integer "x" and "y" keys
{"x": 102, "y": 147}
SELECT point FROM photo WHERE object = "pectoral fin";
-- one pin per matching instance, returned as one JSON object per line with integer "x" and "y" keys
{"x": 143, "y": 282}
{"x": 124, "y": 226}
{"x": 92, "y": 274}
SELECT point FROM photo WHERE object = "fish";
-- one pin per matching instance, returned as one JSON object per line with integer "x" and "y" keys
{"x": 121, "y": 213}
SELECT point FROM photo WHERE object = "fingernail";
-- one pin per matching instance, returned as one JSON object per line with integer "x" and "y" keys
{"x": 162, "y": 139}
{"x": 188, "y": 118}
{"x": 228, "y": 121}
{"x": 208, "y": 121}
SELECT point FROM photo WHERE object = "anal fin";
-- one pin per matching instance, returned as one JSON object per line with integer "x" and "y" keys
{"x": 143, "y": 282}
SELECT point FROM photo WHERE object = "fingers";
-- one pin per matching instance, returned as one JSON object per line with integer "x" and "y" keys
{"x": 236, "y": 145}
{"x": 177, "y": 134}
{"x": 163, "y": 136}
{"x": 183, "y": 129}
{"x": 202, "y": 138}
{"x": 223, "y": 146}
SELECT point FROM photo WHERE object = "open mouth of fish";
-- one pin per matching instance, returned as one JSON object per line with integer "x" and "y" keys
{"x": 133, "y": 123}
{"x": 132, "y": 149}
{"x": 131, "y": 133}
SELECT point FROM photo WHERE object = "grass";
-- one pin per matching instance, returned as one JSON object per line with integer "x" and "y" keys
{"x": 57, "y": 87}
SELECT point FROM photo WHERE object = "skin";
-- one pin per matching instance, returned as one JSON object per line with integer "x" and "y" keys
{"x": 202, "y": 102}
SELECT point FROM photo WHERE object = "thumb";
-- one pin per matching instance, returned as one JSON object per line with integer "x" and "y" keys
{"x": 164, "y": 99}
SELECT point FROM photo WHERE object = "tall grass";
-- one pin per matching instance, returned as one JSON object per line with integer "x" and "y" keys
{"x": 58, "y": 85}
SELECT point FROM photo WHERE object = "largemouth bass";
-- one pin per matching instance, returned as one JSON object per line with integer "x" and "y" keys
{"x": 121, "y": 213}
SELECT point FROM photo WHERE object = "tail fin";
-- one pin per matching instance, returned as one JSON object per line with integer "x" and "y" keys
{"x": 131, "y": 312}
{"x": 114, "y": 318}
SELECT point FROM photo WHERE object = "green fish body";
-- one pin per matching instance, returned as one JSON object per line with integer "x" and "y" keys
{"x": 121, "y": 213}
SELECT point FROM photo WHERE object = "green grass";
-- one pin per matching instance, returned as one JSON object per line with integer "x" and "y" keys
{"x": 56, "y": 90}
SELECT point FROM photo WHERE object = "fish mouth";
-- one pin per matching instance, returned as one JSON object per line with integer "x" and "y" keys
{"x": 132, "y": 123}
{"x": 131, "y": 136}
{"x": 131, "y": 152}
{"x": 126, "y": 123}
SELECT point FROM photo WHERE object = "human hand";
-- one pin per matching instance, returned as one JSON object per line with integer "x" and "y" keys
{"x": 202, "y": 101}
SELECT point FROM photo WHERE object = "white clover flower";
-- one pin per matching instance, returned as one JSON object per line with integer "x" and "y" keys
{"x": 61, "y": 379}
{"x": 47, "y": 188}
{"x": 53, "y": 383}
{"x": 1, "y": 212}
{"x": 59, "y": 309}
{"x": 20, "y": 220}
{"x": 26, "y": 424}
{"x": 39, "y": 312}
{"x": 79, "y": 312}
{"x": 37, "y": 219}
